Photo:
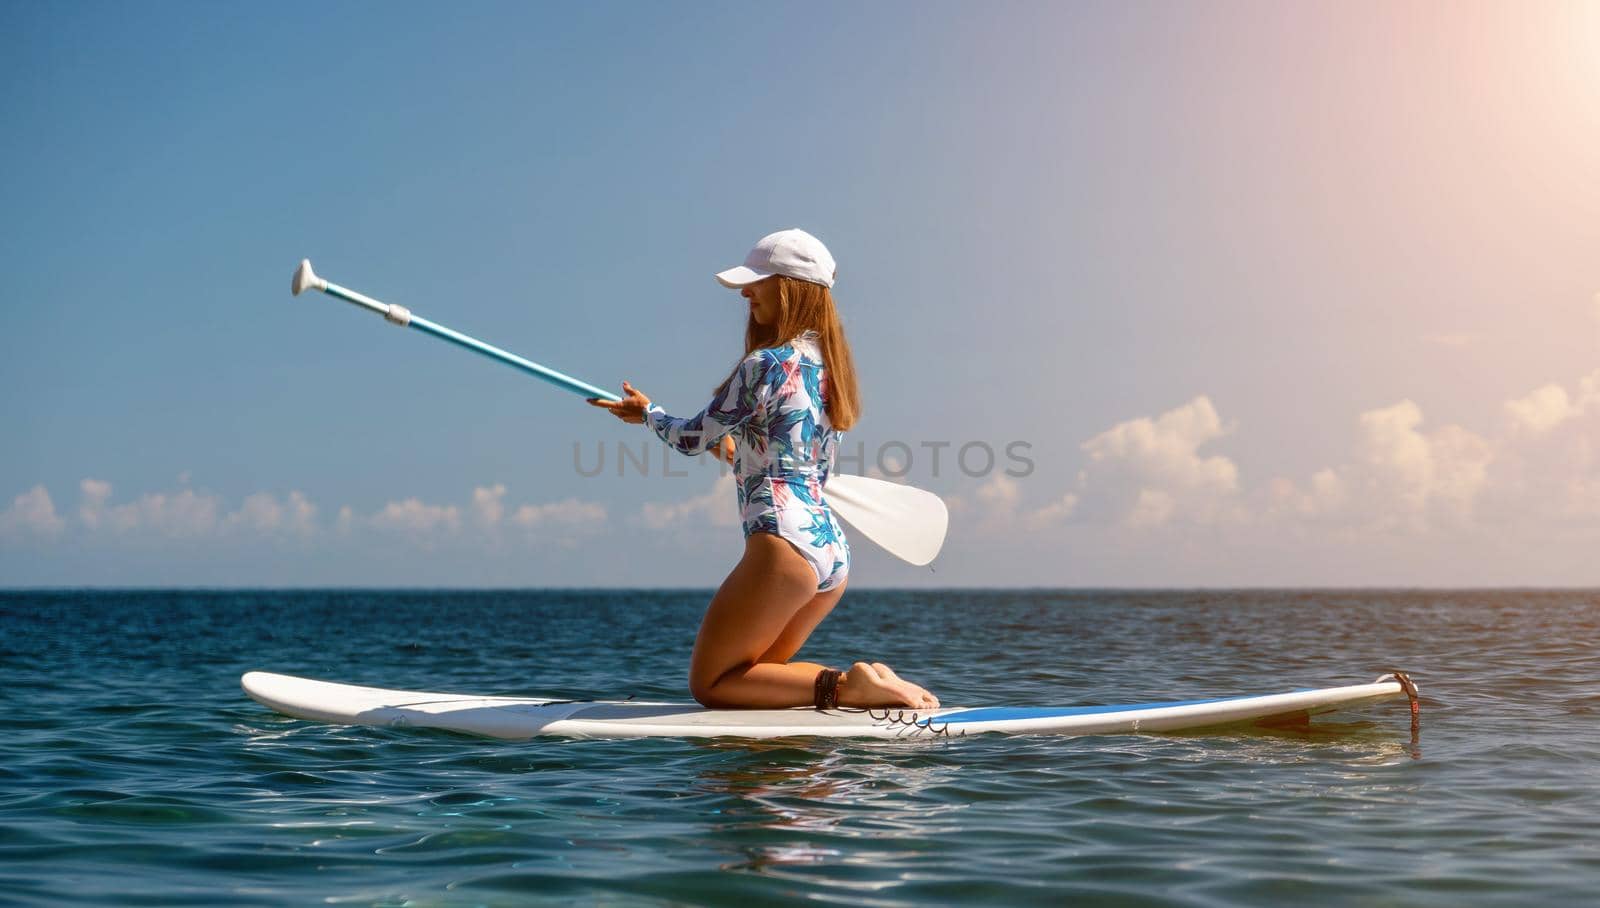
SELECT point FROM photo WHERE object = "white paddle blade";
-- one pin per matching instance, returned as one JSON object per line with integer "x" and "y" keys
{"x": 908, "y": 522}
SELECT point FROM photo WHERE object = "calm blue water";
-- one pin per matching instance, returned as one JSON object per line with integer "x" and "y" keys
{"x": 134, "y": 771}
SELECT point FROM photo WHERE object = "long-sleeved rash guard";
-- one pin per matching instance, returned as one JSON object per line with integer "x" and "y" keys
{"x": 783, "y": 452}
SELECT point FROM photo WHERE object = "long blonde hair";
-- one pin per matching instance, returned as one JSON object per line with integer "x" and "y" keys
{"x": 804, "y": 306}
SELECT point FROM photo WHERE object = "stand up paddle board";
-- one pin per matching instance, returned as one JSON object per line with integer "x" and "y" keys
{"x": 517, "y": 718}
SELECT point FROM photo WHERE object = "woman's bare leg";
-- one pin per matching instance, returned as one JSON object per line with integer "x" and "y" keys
{"x": 799, "y": 628}
{"x": 762, "y": 594}
{"x": 759, "y": 619}
{"x": 866, "y": 683}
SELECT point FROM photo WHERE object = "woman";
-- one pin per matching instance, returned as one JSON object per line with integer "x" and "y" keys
{"x": 777, "y": 419}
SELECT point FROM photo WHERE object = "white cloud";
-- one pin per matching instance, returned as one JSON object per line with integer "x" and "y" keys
{"x": 1544, "y": 462}
{"x": 181, "y": 514}
{"x": 1153, "y": 508}
{"x": 1404, "y": 477}
{"x": 300, "y": 515}
{"x": 1549, "y": 471}
{"x": 31, "y": 514}
{"x": 263, "y": 513}
{"x": 1460, "y": 469}
{"x": 414, "y": 517}
{"x": 997, "y": 500}
{"x": 998, "y": 505}
{"x": 1148, "y": 472}
{"x": 568, "y": 514}
{"x": 1397, "y": 454}
{"x": 1542, "y": 410}
{"x": 488, "y": 504}
{"x": 1056, "y": 511}
{"x": 718, "y": 508}
{"x": 94, "y": 494}
{"x": 990, "y": 508}
{"x": 1326, "y": 495}
{"x": 186, "y": 513}
{"x": 488, "y": 511}
{"x": 1539, "y": 469}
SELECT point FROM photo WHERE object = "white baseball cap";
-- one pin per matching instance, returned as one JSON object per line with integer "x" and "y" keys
{"x": 791, "y": 252}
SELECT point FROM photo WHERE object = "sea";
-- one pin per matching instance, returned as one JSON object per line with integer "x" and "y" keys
{"x": 134, "y": 771}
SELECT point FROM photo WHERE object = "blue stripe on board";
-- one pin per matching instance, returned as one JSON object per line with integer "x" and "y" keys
{"x": 1000, "y": 713}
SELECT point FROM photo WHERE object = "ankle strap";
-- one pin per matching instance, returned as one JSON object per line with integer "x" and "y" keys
{"x": 825, "y": 692}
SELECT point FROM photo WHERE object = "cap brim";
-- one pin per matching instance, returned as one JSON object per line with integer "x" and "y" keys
{"x": 740, "y": 276}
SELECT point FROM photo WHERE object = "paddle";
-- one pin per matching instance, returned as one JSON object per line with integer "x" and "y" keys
{"x": 908, "y": 522}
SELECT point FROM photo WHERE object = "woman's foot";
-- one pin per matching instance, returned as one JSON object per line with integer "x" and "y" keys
{"x": 876, "y": 684}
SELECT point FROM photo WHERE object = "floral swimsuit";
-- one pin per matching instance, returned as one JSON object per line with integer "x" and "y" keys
{"x": 784, "y": 450}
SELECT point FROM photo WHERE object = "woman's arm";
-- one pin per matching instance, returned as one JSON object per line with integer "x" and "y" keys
{"x": 746, "y": 395}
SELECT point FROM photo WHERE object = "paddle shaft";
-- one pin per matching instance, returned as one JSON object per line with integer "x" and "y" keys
{"x": 402, "y": 316}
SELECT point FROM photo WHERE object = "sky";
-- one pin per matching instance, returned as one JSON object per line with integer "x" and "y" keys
{"x": 1235, "y": 294}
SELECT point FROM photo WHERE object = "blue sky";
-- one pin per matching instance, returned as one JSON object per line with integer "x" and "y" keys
{"x": 1274, "y": 295}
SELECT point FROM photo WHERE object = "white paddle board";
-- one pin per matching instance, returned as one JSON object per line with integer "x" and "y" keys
{"x": 517, "y": 718}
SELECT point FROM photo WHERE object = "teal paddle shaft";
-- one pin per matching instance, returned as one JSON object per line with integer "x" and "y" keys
{"x": 306, "y": 279}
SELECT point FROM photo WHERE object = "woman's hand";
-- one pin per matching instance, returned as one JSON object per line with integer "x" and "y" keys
{"x": 629, "y": 409}
{"x": 724, "y": 449}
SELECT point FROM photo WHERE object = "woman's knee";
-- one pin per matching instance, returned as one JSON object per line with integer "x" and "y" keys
{"x": 703, "y": 685}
